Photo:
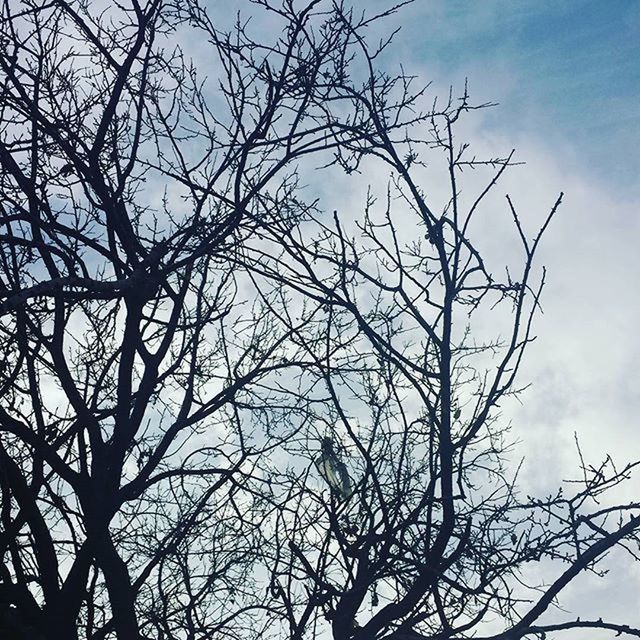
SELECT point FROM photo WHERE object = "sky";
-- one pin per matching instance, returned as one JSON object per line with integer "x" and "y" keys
{"x": 565, "y": 71}
{"x": 566, "y": 75}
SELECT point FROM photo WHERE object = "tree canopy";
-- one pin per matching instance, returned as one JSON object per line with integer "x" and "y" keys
{"x": 228, "y": 412}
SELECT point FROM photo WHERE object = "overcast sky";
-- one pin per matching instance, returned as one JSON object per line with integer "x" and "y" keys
{"x": 567, "y": 76}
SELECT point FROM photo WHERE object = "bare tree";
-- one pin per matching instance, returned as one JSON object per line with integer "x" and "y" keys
{"x": 225, "y": 414}
{"x": 430, "y": 536}
{"x": 137, "y": 378}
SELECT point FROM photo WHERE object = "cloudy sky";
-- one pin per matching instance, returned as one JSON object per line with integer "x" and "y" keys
{"x": 565, "y": 72}
{"x": 567, "y": 76}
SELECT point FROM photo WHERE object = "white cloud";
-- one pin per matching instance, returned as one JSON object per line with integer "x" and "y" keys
{"x": 584, "y": 366}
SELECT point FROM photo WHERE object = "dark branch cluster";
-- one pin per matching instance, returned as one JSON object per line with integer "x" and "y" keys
{"x": 225, "y": 413}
